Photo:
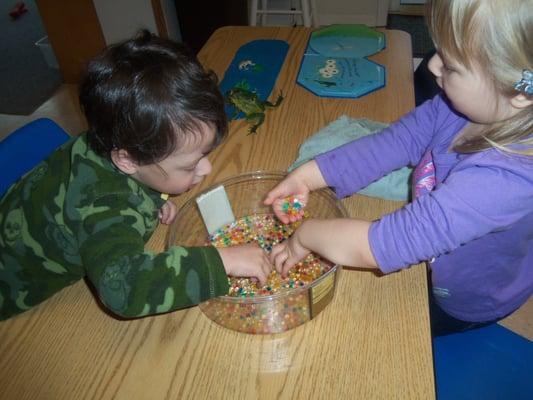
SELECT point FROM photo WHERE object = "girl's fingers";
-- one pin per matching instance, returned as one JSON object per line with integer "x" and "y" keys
{"x": 275, "y": 251}
{"x": 282, "y": 270}
{"x": 273, "y": 195}
{"x": 281, "y": 260}
{"x": 293, "y": 218}
{"x": 278, "y": 256}
{"x": 278, "y": 210}
{"x": 266, "y": 265}
{"x": 262, "y": 277}
{"x": 287, "y": 265}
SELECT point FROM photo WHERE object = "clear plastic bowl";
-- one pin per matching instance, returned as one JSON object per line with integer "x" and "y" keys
{"x": 260, "y": 314}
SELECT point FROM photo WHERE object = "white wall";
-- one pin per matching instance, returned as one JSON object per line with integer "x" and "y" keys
{"x": 369, "y": 12}
{"x": 122, "y": 19}
{"x": 171, "y": 19}
{"x": 281, "y": 20}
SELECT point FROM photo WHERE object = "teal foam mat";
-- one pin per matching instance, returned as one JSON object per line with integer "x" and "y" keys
{"x": 255, "y": 67}
{"x": 335, "y": 65}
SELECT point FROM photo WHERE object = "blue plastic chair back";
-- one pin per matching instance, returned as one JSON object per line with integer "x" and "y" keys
{"x": 26, "y": 147}
{"x": 490, "y": 363}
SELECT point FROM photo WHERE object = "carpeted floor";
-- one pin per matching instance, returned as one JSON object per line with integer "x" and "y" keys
{"x": 26, "y": 80}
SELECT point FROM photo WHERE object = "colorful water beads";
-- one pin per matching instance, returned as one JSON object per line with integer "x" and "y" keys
{"x": 277, "y": 306}
{"x": 267, "y": 231}
{"x": 292, "y": 206}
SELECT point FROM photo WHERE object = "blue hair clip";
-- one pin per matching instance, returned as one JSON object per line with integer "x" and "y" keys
{"x": 525, "y": 84}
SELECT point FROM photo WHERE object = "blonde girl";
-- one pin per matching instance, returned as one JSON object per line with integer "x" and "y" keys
{"x": 472, "y": 213}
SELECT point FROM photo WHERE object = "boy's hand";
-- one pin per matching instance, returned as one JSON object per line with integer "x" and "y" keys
{"x": 286, "y": 254}
{"x": 247, "y": 260}
{"x": 168, "y": 212}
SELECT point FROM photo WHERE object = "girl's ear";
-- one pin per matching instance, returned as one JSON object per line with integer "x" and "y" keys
{"x": 521, "y": 101}
{"x": 122, "y": 160}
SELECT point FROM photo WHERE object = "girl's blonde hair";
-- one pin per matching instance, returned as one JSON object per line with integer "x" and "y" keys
{"x": 498, "y": 36}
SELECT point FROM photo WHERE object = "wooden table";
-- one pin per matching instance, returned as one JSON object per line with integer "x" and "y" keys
{"x": 371, "y": 342}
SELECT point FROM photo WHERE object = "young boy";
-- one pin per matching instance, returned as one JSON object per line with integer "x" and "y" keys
{"x": 154, "y": 115}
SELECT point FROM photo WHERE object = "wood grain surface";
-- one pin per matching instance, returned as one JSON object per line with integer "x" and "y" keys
{"x": 372, "y": 341}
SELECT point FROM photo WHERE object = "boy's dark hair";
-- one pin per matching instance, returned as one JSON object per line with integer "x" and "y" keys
{"x": 144, "y": 94}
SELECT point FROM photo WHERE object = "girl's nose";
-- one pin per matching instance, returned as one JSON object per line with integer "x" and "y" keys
{"x": 435, "y": 65}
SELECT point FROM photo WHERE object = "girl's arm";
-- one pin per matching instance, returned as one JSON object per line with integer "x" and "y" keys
{"x": 486, "y": 192}
{"x": 342, "y": 241}
{"x": 353, "y": 166}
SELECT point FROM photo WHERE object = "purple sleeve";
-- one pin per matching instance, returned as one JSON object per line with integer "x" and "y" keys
{"x": 486, "y": 192}
{"x": 349, "y": 168}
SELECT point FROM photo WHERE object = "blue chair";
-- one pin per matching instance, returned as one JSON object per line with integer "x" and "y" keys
{"x": 26, "y": 147}
{"x": 487, "y": 363}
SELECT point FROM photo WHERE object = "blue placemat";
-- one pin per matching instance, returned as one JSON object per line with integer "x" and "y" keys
{"x": 256, "y": 66}
{"x": 334, "y": 63}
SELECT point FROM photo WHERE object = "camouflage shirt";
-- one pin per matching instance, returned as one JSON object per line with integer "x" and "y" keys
{"x": 76, "y": 215}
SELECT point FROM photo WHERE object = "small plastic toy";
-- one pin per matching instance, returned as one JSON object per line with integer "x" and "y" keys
{"x": 249, "y": 103}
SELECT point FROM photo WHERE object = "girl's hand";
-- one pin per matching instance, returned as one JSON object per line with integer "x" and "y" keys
{"x": 286, "y": 254}
{"x": 168, "y": 212}
{"x": 290, "y": 186}
{"x": 247, "y": 260}
{"x": 343, "y": 241}
{"x": 284, "y": 209}
{"x": 298, "y": 184}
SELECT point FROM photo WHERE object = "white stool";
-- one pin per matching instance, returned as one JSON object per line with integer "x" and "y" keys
{"x": 306, "y": 11}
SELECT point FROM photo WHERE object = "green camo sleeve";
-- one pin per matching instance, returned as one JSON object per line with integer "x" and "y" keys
{"x": 132, "y": 282}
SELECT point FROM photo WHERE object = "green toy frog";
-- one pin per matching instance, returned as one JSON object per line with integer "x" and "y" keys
{"x": 251, "y": 105}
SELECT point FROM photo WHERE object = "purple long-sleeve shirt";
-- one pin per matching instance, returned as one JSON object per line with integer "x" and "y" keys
{"x": 475, "y": 221}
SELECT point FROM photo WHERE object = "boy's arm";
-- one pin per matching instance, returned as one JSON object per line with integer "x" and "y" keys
{"x": 134, "y": 282}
